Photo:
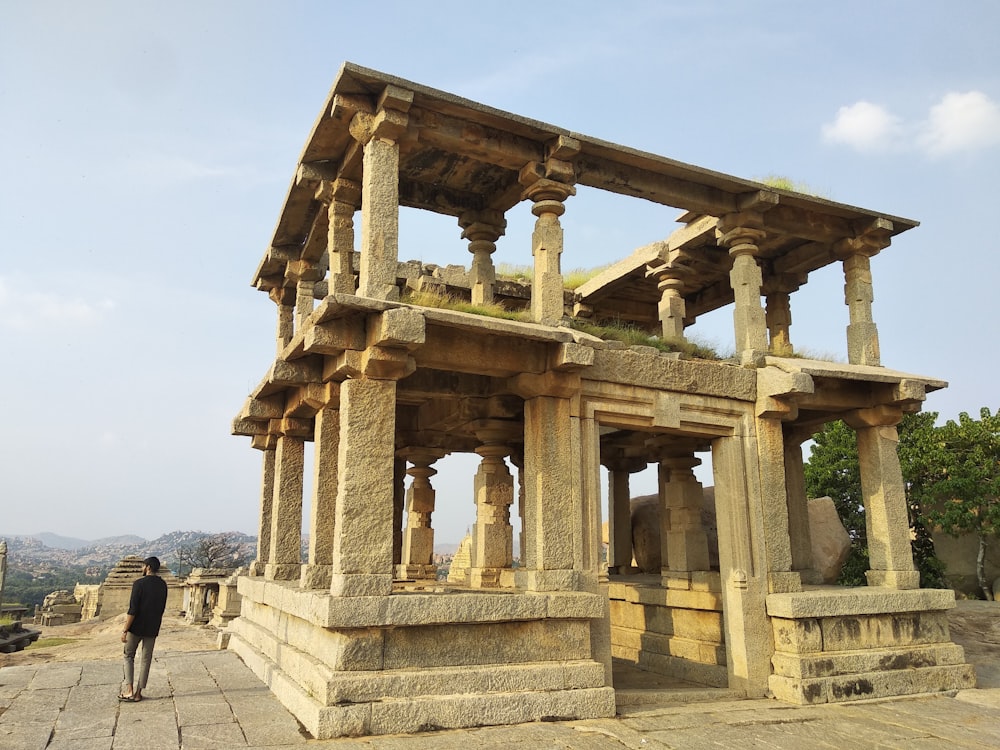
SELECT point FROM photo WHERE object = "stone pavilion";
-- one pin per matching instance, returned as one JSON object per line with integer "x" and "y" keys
{"x": 361, "y": 638}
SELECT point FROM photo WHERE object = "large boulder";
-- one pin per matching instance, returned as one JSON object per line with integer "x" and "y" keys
{"x": 831, "y": 543}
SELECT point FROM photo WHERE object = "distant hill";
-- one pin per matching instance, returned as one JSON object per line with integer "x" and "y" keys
{"x": 26, "y": 552}
{"x": 56, "y": 541}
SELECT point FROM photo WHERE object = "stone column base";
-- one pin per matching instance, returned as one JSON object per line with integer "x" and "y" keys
{"x": 282, "y": 571}
{"x": 894, "y": 579}
{"x": 412, "y": 572}
{"x": 361, "y": 584}
{"x": 315, "y": 576}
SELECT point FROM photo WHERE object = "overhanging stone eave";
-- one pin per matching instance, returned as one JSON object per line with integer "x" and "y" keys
{"x": 843, "y": 371}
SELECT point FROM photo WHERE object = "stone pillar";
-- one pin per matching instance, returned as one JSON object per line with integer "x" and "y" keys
{"x": 363, "y": 537}
{"x": 547, "y": 239}
{"x": 285, "y": 558}
{"x": 517, "y": 460}
{"x": 672, "y": 306}
{"x": 316, "y": 574}
{"x": 862, "y": 334}
{"x": 284, "y": 298}
{"x": 482, "y": 229}
{"x": 492, "y": 534}
{"x": 552, "y": 514}
{"x": 264, "y": 521}
{"x": 418, "y": 537}
{"x": 886, "y": 520}
{"x": 798, "y": 506}
{"x": 398, "y": 506}
{"x": 684, "y": 543}
{"x": 378, "y": 133}
{"x": 345, "y": 197}
{"x": 746, "y": 280}
{"x": 620, "y": 513}
{"x": 778, "y": 314}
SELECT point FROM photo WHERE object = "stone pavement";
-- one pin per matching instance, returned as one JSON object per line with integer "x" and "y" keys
{"x": 209, "y": 699}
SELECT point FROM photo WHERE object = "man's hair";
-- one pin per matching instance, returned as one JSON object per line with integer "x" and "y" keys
{"x": 153, "y": 563}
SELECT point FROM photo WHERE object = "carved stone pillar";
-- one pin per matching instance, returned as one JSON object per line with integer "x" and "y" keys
{"x": 378, "y": 133}
{"x": 482, "y": 229}
{"x": 746, "y": 280}
{"x": 284, "y": 298}
{"x": 862, "y": 333}
{"x": 548, "y": 195}
{"x": 886, "y": 519}
{"x": 418, "y": 536}
{"x": 671, "y": 307}
{"x": 684, "y": 543}
{"x": 778, "y": 314}
{"x": 266, "y": 501}
{"x": 345, "y": 197}
{"x": 322, "y": 519}
{"x": 285, "y": 558}
{"x": 492, "y": 534}
{"x": 363, "y": 537}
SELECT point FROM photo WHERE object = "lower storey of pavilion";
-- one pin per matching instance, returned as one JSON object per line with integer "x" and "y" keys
{"x": 432, "y": 656}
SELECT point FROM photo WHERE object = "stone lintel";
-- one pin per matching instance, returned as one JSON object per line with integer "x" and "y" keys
{"x": 833, "y": 602}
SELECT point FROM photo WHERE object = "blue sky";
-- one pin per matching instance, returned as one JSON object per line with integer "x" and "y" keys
{"x": 147, "y": 148}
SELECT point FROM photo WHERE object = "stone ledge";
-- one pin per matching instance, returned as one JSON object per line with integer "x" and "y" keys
{"x": 836, "y": 601}
{"x": 401, "y": 609}
{"x": 809, "y": 666}
{"x": 867, "y": 685}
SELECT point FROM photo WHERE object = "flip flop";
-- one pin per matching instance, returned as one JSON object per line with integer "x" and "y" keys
{"x": 129, "y": 698}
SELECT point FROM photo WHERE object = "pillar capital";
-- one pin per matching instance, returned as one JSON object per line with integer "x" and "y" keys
{"x": 388, "y": 122}
{"x": 742, "y": 240}
{"x": 883, "y": 415}
{"x": 539, "y": 187}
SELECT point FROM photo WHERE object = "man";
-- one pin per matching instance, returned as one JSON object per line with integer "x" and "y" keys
{"x": 142, "y": 624}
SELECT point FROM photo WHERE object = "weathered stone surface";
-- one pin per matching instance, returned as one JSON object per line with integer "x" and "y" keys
{"x": 831, "y": 543}
{"x": 410, "y": 382}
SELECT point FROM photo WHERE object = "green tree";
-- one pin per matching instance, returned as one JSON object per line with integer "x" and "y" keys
{"x": 963, "y": 497}
{"x": 833, "y": 470}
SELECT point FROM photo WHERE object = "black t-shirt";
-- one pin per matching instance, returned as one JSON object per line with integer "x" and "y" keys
{"x": 148, "y": 600}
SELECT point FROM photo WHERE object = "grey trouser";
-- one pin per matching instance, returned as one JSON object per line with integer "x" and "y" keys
{"x": 131, "y": 646}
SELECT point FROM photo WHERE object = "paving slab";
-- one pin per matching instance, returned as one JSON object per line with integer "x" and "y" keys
{"x": 212, "y": 700}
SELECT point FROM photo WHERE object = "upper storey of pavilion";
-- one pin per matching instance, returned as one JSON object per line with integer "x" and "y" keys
{"x": 457, "y": 157}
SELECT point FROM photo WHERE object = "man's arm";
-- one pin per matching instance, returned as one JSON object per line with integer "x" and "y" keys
{"x": 129, "y": 619}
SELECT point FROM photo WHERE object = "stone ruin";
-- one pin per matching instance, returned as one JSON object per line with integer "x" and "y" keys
{"x": 355, "y": 642}
{"x": 111, "y": 597}
{"x": 59, "y": 608}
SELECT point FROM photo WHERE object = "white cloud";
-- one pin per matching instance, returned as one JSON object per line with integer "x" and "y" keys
{"x": 25, "y": 309}
{"x": 864, "y": 126}
{"x": 960, "y": 122}
{"x": 967, "y": 121}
